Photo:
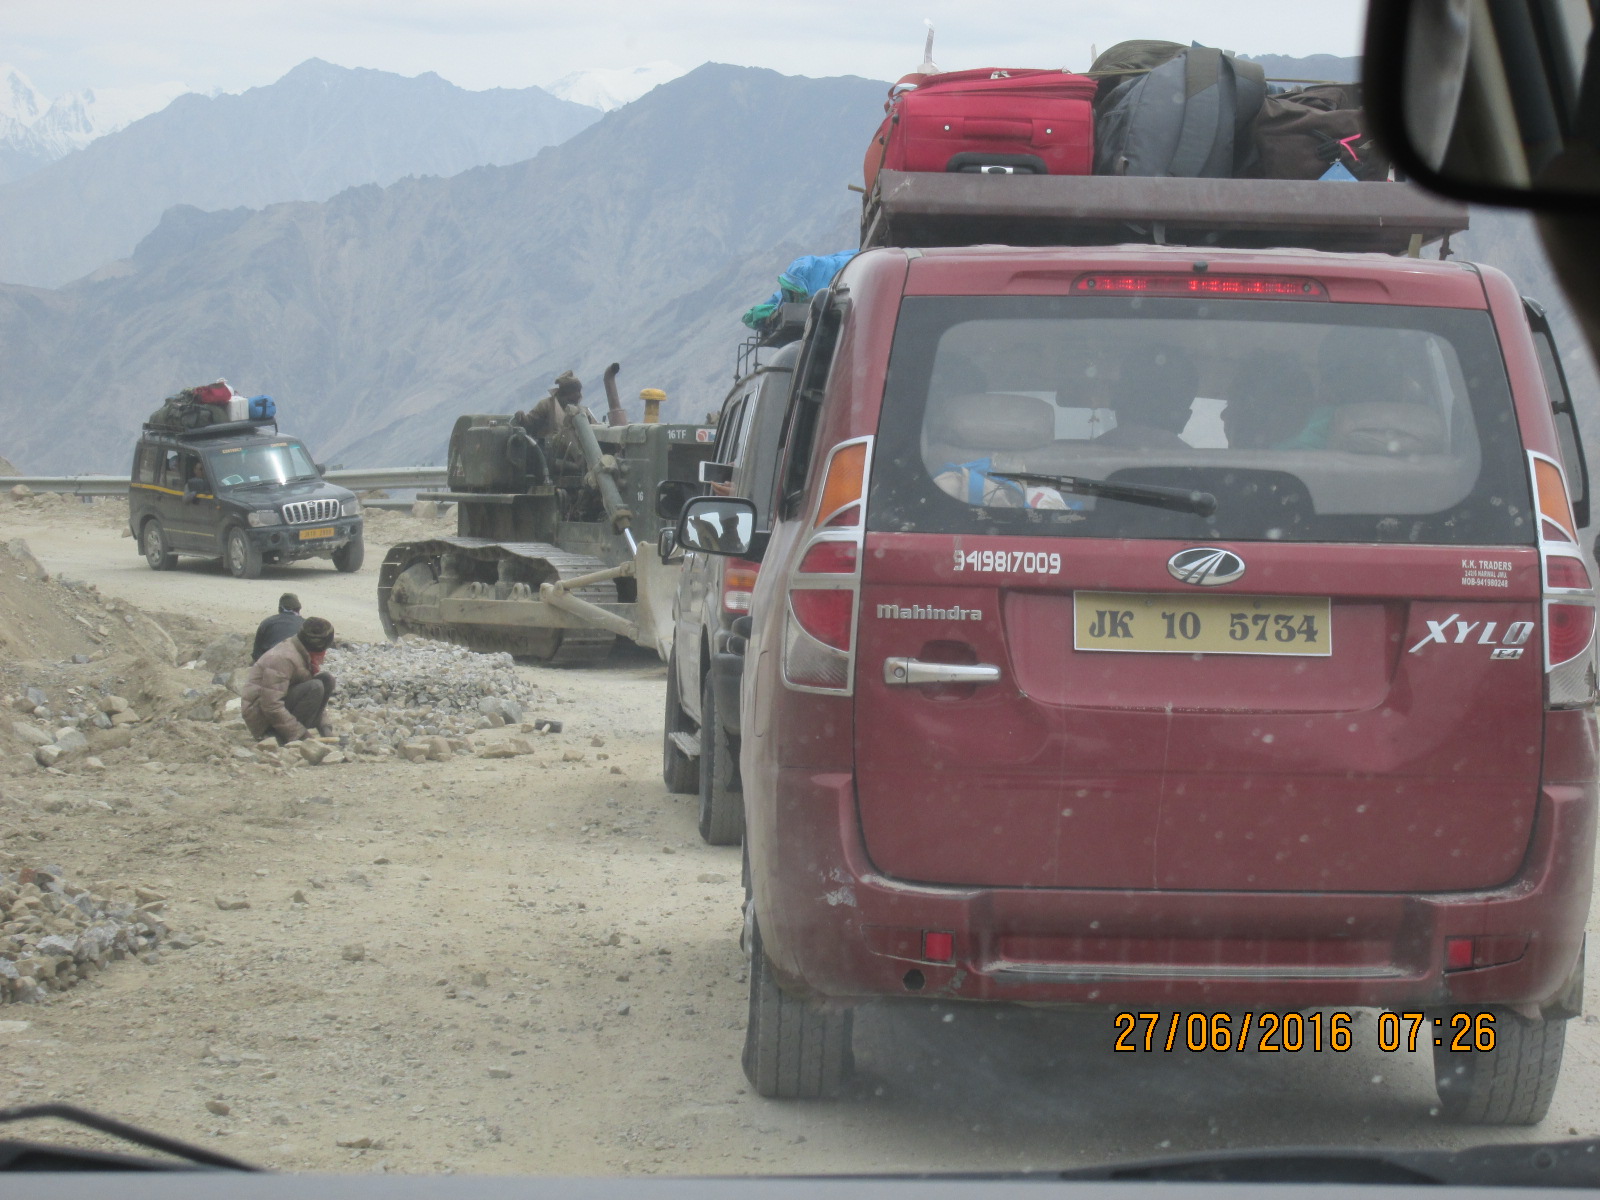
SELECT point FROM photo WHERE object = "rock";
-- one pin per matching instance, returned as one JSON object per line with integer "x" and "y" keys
{"x": 624, "y": 1009}
{"x": 112, "y": 705}
{"x": 597, "y": 740}
{"x": 91, "y": 763}
{"x": 20, "y": 491}
{"x": 356, "y": 1143}
{"x": 118, "y": 737}
{"x": 354, "y": 952}
{"x": 182, "y": 941}
{"x": 425, "y": 510}
{"x": 233, "y": 707}
{"x": 31, "y": 733}
{"x": 267, "y": 743}
{"x": 100, "y": 721}
{"x": 147, "y": 895}
{"x": 439, "y": 749}
{"x": 227, "y": 652}
{"x": 218, "y": 1108}
{"x": 49, "y": 756}
{"x": 312, "y": 751}
{"x": 414, "y": 752}
{"x": 711, "y": 877}
{"x": 35, "y": 697}
{"x": 201, "y": 712}
{"x": 232, "y": 903}
{"x": 244, "y": 753}
{"x": 498, "y": 1073}
{"x": 498, "y": 750}
{"x": 299, "y": 897}
{"x": 572, "y": 756}
{"x": 125, "y": 718}
{"x": 522, "y": 746}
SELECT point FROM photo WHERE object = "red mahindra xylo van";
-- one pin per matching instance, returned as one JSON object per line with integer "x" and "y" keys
{"x": 1159, "y": 630}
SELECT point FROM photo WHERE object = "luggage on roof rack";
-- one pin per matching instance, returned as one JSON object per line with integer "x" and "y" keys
{"x": 926, "y": 209}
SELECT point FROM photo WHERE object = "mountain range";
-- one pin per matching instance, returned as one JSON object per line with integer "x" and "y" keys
{"x": 318, "y": 130}
{"x": 375, "y": 318}
{"x": 380, "y": 315}
{"x": 36, "y": 130}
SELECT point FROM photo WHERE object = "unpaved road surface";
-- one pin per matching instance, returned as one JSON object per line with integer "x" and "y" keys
{"x": 548, "y": 977}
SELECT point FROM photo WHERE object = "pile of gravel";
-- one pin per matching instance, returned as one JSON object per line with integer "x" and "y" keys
{"x": 430, "y": 687}
{"x": 54, "y": 933}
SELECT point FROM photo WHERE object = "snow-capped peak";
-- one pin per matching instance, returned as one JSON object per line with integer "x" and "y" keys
{"x": 20, "y": 101}
{"x": 607, "y": 88}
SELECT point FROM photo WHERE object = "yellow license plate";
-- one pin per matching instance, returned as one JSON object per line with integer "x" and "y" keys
{"x": 1168, "y": 623}
{"x": 307, "y": 534}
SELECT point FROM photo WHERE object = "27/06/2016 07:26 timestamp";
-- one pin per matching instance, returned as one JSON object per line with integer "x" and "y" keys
{"x": 1272, "y": 1032}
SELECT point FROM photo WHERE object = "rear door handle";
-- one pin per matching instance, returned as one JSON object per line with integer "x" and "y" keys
{"x": 908, "y": 672}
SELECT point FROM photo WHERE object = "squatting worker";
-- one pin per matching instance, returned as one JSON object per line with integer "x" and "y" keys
{"x": 287, "y": 692}
{"x": 284, "y": 623}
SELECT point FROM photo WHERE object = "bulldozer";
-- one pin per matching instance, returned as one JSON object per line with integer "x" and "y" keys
{"x": 558, "y": 520}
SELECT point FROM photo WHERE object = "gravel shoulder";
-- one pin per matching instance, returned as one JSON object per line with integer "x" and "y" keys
{"x": 525, "y": 964}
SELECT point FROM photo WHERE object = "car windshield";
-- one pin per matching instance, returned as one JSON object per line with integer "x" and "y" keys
{"x": 1125, "y": 687}
{"x": 271, "y": 462}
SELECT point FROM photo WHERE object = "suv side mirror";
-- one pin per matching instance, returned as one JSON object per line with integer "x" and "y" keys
{"x": 721, "y": 525}
{"x": 671, "y": 495}
{"x": 321, "y": 470}
{"x": 666, "y": 542}
{"x": 1487, "y": 102}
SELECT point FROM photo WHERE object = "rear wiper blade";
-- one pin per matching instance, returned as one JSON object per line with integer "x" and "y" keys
{"x": 30, "y": 1156}
{"x": 1202, "y": 504}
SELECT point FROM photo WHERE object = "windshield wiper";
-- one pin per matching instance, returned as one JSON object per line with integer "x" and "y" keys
{"x": 32, "y": 1156}
{"x": 1522, "y": 1164}
{"x": 1202, "y": 504}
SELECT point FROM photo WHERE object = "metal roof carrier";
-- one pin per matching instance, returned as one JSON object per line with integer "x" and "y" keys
{"x": 786, "y": 324}
{"x": 222, "y": 429}
{"x": 924, "y": 209}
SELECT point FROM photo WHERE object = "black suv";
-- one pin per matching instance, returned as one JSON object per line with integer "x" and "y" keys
{"x": 240, "y": 492}
{"x": 702, "y": 717}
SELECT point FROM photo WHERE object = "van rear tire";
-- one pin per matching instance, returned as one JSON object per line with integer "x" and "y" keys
{"x": 241, "y": 557}
{"x": 679, "y": 772}
{"x": 721, "y": 801}
{"x": 793, "y": 1049}
{"x": 153, "y": 542}
{"x": 1512, "y": 1084}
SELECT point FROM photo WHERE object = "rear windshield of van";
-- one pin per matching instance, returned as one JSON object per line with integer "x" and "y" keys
{"x": 1307, "y": 421}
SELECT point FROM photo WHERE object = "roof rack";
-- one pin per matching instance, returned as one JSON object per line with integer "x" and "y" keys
{"x": 221, "y": 429}
{"x": 924, "y": 209}
{"x": 786, "y": 324}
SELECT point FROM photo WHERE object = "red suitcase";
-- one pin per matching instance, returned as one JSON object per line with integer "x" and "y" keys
{"x": 1038, "y": 122}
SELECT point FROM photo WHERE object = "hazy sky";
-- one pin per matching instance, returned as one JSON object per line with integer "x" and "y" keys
{"x": 64, "y": 45}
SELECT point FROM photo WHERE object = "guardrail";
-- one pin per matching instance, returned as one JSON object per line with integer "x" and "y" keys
{"x": 357, "y": 479}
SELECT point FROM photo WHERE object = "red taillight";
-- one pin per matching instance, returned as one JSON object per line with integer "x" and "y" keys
{"x": 738, "y": 582}
{"x": 1563, "y": 572}
{"x": 1457, "y": 954}
{"x": 1571, "y": 629}
{"x": 825, "y": 614}
{"x": 938, "y": 946}
{"x": 829, "y": 558}
{"x": 1287, "y": 287}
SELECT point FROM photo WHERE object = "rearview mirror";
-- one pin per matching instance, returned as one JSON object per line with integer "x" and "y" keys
{"x": 719, "y": 525}
{"x": 671, "y": 495}
{"x": 1494, "y": 101}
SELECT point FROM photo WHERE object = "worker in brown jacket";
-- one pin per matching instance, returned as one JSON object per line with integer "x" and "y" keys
{"x": 287, "y": 691}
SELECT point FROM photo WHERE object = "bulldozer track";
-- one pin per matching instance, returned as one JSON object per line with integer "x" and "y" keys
{"x": 560, "y": 647}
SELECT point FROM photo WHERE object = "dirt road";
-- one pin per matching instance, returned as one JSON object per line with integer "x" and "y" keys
{"x": 531, "y": 965}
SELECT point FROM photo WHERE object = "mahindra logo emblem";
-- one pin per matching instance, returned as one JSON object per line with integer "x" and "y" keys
{"x": 1205, "y": 566}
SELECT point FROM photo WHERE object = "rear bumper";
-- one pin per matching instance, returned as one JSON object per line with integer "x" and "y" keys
{"x": 837, "y": 929}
